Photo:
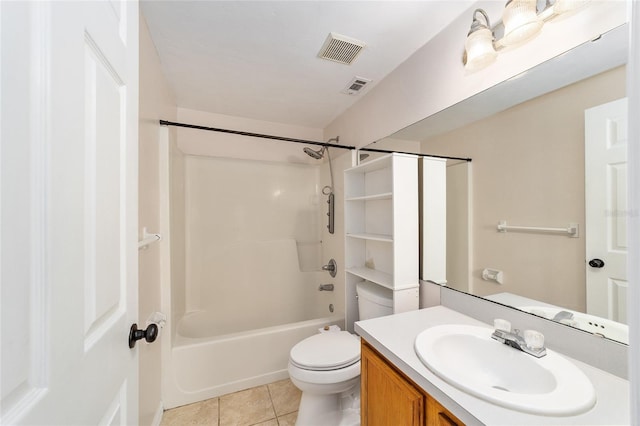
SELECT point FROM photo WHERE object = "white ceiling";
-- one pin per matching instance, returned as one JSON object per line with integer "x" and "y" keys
{"x": 258, "y": 59}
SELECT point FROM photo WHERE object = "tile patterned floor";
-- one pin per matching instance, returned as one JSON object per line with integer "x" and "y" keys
{"x": 275, "y": 404}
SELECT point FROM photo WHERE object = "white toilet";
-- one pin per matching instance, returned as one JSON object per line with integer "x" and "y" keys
{"x": 326, "y": 366}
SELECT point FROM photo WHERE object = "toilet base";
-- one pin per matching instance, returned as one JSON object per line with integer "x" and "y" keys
{"x": 337, "y": 410}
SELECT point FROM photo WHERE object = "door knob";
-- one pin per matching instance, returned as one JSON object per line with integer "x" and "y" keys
{"x": 150, "y": 334}
{"x": 596, "y": 263}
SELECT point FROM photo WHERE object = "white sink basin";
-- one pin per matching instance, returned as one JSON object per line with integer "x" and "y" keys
{"x": 469, "y": 359}
{"x": 605, "y": 327}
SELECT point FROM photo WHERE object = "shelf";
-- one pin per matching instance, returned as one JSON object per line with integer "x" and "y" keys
{"x": 372, "y": 237}
{"x": 381, "y": 229}
{"x": 379, "y": 163}
{"x": 374, "y": 197}
{"x": 371, "y": 166}
{"x": 378, "y": 277}
{"x": 381, "y": 278}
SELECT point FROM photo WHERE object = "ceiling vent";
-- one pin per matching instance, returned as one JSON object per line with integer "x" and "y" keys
{"x": 339, "y": 48}
{"x": 356, "y": 85}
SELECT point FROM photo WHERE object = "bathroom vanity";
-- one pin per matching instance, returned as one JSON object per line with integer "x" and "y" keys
{"x": 390, "y": 398}
{"x": 398, "y": 388}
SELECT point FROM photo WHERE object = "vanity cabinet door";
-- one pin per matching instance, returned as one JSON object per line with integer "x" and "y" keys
{"x": 437, "y": 415}
{"x": 387, "y": 398}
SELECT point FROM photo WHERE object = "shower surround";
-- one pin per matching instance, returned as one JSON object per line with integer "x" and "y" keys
{"x": 253, "y": 241}
{"x": 246, "y": 256}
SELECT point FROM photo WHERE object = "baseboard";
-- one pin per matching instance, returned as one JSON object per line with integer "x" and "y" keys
{"x": 157, "y": 418}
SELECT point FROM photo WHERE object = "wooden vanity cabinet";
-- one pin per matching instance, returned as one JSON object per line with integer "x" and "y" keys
{"x": 437, "y": 415}
{"x": 389, "y": 398}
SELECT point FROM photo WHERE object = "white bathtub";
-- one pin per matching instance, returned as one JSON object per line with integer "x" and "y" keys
{"x": 204, "y": 366}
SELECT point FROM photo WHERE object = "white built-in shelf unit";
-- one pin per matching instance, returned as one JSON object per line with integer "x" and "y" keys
{"x": 381, "y": 223}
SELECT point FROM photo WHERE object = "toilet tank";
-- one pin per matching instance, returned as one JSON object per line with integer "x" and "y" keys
{"x": 373, "y": 300}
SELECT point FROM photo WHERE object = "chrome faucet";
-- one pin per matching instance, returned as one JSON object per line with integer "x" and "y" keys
{"x": 331, "y": 267}
{"x": 325, "y": 287}
{"x": 515, "y": 340}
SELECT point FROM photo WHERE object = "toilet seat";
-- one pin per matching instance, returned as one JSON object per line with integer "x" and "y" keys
{"x": 326, "y": 351}
{"x": 331, "y": 378}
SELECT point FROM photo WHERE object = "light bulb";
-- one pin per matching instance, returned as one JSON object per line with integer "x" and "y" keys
{"x": 566, "y": 6}
{"x": 521, "y": 21}
{"x": 479, "y": 48}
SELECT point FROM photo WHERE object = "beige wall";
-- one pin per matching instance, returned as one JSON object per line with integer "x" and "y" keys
{"x": 528, "y": 169}
{"x": 458, "y": 224}
{"x": 156, "y": 102}
{"x": 216, "y": 144}
{"x": 434, "y": 78}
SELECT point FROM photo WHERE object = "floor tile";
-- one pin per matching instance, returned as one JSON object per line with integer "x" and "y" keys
{"x": 288, "y": 419}
{"x": 198, "y": 414}
{"x": 248, "y": 407}
{"x": 285, "y": 396}
{"x": 272, "y": 422}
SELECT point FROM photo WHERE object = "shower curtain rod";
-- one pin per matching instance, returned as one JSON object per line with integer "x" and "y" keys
{"x": 302, "y": 141}
{"x": 385, "y": 151}
{"x": 256, "y": 135}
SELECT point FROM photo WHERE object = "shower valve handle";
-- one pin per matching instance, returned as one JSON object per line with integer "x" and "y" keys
{"x": 150, "y": 334}
{"x": 331, "y": 267}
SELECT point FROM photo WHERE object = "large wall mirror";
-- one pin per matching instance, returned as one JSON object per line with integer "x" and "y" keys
{"x": 548, "y": 152}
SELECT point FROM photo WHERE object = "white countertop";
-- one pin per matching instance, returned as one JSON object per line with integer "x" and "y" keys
{"x": 394, "y": 336}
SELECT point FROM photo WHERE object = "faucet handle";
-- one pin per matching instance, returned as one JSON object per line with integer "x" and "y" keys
{"x": 331, "y": 267}
{"x": 500, "y": 324}
{"x": 534, "y": 339}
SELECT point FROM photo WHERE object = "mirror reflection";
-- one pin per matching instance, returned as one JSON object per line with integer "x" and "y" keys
{"x": 551, "y": 168}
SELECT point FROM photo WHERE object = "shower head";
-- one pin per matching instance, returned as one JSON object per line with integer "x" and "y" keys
{"x": 313, "y": 153}
{"x": 319, "y": 154}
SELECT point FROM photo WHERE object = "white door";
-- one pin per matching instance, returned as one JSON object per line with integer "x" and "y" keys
{"x": 69, "y": 73}
{"x": 606, "y": 209}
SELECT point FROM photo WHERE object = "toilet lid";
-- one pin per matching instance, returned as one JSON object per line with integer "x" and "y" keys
{"x": 326, "y": 351}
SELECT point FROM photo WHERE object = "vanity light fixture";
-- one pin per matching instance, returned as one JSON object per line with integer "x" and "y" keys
{"x": 479, "y": 45}
{"x": 567, "y": 6}
{"x": 521, "y": 21}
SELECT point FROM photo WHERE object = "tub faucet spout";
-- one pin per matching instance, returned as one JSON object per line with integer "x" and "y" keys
{"x": 325, "y": 287}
